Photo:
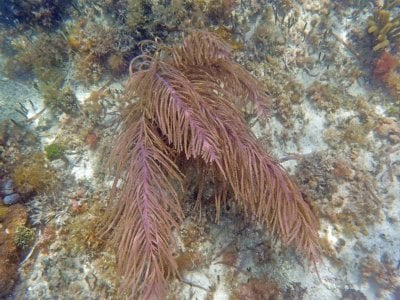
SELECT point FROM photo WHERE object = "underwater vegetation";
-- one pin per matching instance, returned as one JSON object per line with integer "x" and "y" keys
{"x": 54, "y": 151}
{"x": 34, "y": 175}
{"x": 24, "y": 237}
{"x": 190, "y": 149}
{"x": 59, "y": 100}
{"x": 384, "y": 26}
{"x": 189, "y": 113}
{"x": 45, "y": 13}
{"x": 15, "y": 236}
{"x": 96, "y": 50}
{"x": 33, "y": 56}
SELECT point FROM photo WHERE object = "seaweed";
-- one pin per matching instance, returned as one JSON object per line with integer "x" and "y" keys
{"x": 33, "y": 175}
{"x": 44, "y": 13}
{"x": 15, "y": 218}
{"x": 54, "y": 151}
{"x": 384, "y": 26}
{"x": 59, "y": 100}
{"x": 24, "y": 237}
{"x": 98, "y": 49}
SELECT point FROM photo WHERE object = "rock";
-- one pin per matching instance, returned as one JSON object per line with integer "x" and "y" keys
{"x": 352, "y": 294}
{"x": 11, "y": 199}
{"x": 7, "y": 187}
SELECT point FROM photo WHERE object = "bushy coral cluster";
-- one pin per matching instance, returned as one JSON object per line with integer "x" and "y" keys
{"x": 34, "y": 175}
{"x": 43, "y": 13}
{"x": 54, "y": 151}
{"x": 386, "y": 71}
{"x": 95, "y": 51}
{"x": 384, "y": 26}
{"x": 12, "y": 223}
{"x": 33, "y": 56}
{"x": 382, "y": 273}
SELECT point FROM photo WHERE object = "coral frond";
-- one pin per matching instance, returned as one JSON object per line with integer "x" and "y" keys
{"x": 200, "y": 48}
{"x": 190, "y": 107}
{"x": 201, "y": 52}
{"x": 260, "y": 185}
{"x": 176, "y": 108}
{"x": 148, "y": 208}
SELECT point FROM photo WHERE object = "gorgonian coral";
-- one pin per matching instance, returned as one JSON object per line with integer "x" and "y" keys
{"x": 189, "y": 107}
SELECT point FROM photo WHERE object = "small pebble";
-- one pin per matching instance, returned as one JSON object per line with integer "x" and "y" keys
{"x": 11, "y": 199}
{"x": 7, "y": 187}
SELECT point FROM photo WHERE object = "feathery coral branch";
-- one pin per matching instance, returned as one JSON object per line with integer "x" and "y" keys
{"x": 147, "y": 210}
{"x": 190, "y": 105}
{"x": 174, "y": 105}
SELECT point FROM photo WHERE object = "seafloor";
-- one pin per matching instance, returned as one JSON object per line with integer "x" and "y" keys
{"x": 332, "y": 70}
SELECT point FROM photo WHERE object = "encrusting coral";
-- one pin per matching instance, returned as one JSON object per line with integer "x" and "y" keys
{"x": 188, "y": 111}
